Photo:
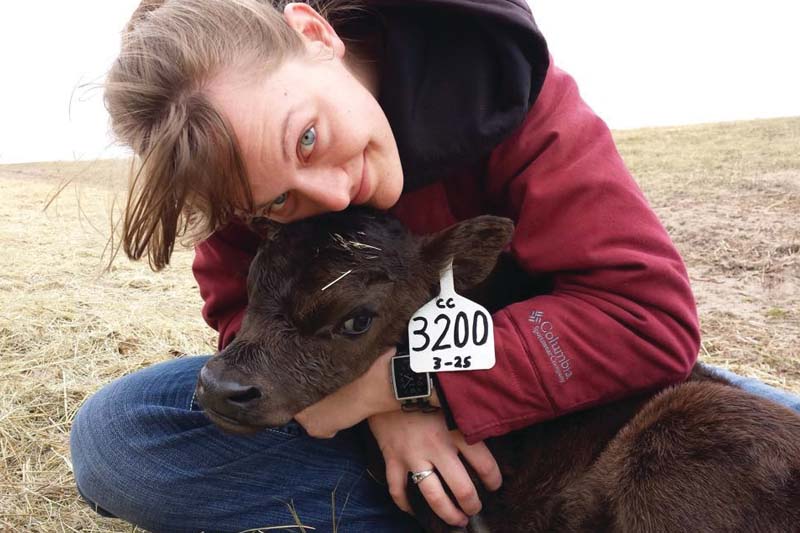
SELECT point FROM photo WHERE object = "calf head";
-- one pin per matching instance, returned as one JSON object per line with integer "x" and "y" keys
{"x": 327, "y": 296}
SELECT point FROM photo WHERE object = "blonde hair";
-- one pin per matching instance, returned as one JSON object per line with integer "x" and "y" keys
{"x": 188, "y": 177}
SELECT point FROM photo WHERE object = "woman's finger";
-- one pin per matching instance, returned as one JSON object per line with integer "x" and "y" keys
{"x": 455, "y": 476}
{"x": 396, "y": 477}
{"x": 483, "y": 462}
{"x": 431, "y": 488}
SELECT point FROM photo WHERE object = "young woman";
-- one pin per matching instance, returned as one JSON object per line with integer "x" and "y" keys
{"x": 439, "y": 110}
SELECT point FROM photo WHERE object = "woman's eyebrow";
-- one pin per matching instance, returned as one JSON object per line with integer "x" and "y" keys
{"x": 285, "y": 128}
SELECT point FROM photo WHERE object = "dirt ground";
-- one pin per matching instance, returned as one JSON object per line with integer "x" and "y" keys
{"x": 729, "y": 195}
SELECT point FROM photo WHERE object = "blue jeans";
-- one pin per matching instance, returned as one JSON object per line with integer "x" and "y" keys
{"x": 143, "y": 451}
{"x": 758, "y": 388}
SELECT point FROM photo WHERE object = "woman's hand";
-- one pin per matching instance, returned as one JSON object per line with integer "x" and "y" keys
{"x": 369, "y": 394}
{"x": 411, "y": 442}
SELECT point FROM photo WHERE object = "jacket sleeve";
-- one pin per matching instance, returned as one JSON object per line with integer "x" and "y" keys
{"x": 220, "y": 267}
{"x": 621, "y": 317}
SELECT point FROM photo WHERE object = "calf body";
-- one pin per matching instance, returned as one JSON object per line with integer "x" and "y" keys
{"x": 328, "y": 295}
{"x": 702, "y": 456}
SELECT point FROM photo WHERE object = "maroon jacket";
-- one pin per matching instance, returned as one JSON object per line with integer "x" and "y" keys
{"x": 620, "y": 318}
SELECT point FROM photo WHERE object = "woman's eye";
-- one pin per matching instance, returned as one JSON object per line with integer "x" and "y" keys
{"x": 307, "y": 142}
{"x": 357, "y": 325}
{"x": 279, "y": 202}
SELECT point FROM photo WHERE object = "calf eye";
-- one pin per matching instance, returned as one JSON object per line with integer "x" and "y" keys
{"x": 357, "y": 325}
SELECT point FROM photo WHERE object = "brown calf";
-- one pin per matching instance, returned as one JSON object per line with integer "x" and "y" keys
{"x": 701, "y": 456}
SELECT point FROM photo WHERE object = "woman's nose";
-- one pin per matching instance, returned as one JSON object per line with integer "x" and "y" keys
{"x": 328, "y": 189}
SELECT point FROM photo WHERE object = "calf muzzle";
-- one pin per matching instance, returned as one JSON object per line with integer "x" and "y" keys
{"x": 230, "y": 398}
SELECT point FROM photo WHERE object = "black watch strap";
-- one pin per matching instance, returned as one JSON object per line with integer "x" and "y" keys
{"x": 420, "y": 404}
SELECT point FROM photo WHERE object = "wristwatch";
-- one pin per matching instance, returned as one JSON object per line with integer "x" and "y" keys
{"x": 412, "y": 389}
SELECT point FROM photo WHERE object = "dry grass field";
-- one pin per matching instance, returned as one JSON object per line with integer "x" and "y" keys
{"x": 729, "y": 195}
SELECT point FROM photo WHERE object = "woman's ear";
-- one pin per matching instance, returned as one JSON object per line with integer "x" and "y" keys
{"x": 305, "y": 20}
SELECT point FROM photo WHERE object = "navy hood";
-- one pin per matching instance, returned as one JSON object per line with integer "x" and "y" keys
{"x": 457, "y": 77}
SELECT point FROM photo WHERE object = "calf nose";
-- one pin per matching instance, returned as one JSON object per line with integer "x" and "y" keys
{"x": 226, "y": 391}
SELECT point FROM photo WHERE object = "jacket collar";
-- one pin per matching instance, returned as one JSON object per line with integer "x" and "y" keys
{"x": 463, "y": 75}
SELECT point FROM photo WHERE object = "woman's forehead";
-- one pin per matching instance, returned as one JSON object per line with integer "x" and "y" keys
{"x": 246, "y": 98}
{"x": 292, "y": 79}
{"x": 260, "y": 110}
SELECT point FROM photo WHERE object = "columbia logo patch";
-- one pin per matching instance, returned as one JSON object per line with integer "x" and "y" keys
{"x": 536, "y": 317}
{"x": 545, "y": 333}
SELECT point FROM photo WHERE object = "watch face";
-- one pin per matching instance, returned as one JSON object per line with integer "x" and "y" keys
{"x": 409, "y": 384}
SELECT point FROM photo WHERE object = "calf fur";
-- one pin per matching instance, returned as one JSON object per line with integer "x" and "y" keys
{"x": 328, "y": 295}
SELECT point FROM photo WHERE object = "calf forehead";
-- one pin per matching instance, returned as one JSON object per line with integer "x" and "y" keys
{"x": 353, "y": 238}
{"x": 344, "y": 230}
{"x": 306, "y": 265}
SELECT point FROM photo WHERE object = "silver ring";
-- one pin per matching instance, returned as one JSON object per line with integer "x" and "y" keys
{"x": 416, "y": 477}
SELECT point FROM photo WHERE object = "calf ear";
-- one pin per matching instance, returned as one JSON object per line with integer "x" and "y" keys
{"x": 474, "y": 246}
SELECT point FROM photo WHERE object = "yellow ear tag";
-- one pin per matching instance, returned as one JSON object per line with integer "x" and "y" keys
{"x": 450, "y": 332}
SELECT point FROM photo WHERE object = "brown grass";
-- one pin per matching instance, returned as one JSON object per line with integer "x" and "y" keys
{"x": 728, "y": 193}
{"x": 66, "y": 329}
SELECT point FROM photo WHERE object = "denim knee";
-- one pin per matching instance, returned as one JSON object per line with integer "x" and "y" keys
{"x": 143, "y": 451}
{"x": 115, "y": 437}
{"x": 759, "y": 388}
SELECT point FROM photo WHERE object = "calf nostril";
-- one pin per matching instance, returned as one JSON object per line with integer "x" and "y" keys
{"x": 250, "y": 394}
